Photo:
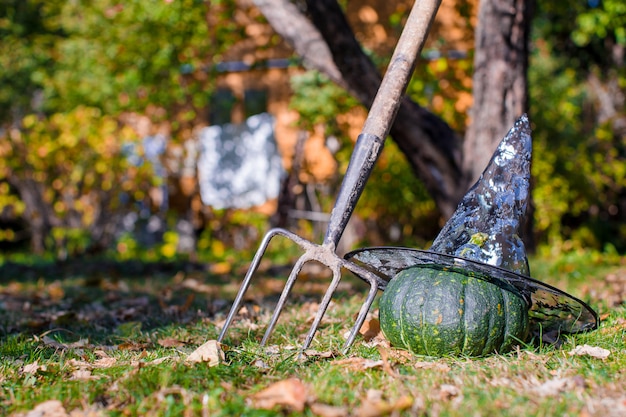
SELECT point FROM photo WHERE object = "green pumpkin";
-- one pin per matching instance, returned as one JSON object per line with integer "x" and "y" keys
{"x": 437, "y": 312}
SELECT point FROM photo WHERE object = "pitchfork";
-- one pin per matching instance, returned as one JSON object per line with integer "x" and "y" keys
{"x": 368, "y": 147}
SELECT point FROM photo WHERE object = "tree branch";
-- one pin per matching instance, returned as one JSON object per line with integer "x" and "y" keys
{"x": 329, "y": 45}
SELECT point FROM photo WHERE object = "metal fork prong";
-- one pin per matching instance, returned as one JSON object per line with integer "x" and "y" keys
{"x": 323, "y": 306}
{"x": 293, "y": 276}
{"x": 365, "y": 307}
{"x": 246, "y": 282}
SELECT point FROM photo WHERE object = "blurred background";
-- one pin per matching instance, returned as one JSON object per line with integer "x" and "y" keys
{"x": 184, "y": 129}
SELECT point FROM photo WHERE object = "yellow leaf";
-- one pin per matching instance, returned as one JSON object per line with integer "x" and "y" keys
{"x": 289, "y": 393}
{"x": 210, "y": 352}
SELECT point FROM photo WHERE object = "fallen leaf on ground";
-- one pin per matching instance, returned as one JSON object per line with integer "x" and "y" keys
{"x": 384, "y": 356}
{"x": 170, "y": 342}
{"x": 447, "y": 391}
{"x": 288, "y": 393}
{"x": 210, "y": 352}
{"x": 92, "y": 411}
{"x": 359, "y": 364}
{"x": 370, "y": 329}
{"x": 32, "y": 368}
{"x": 197, "y": 286}
{"x": 132, "y": 346}
{"x": 79, "y": 364}
{"x": 81, "y": 343}
{"x": 312, "y": 353}
{"x": 325, "y": 410}
{"x": 556, "y": 386}
{"x": 374, "y": 405}
{"x": 48, "y": 341}
{"x": 593, "y": 351}
{"x": 439, "y": 366}
{"x": 83, "y": 375}
{"x": 52, "y": 408}
{"x": 104, "y": 362}
{"x": 260, "y": 364}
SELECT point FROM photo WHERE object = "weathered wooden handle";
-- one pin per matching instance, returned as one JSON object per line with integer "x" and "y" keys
{"x": 370, "y": 142}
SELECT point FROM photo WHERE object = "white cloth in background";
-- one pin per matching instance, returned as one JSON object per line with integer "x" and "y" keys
{"x": 239, "y": 165}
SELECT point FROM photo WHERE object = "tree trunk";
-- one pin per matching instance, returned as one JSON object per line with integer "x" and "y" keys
{"x": 432, "y": 149}
{"x": 500, "y": 87}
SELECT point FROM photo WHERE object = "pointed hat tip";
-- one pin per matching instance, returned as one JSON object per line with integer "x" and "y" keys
{"x": 523, "y": 121}
{"x": 520, "y": 134}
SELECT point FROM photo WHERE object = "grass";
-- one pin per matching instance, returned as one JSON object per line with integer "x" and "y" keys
{"x": 112, "y": 339}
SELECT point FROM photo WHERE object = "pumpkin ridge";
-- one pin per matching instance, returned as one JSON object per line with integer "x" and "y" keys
{"x": 505, "y": 308}
{"x": 492, "y": 341}
{"x": 423, "y": 327}
{"x": 402, "y": 330}
{"x": 464, "y": 315}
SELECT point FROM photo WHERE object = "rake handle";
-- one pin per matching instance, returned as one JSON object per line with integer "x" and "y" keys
{"x": 369, "y": 144}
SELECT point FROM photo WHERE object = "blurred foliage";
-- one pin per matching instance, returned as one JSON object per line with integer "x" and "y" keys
{"x": 603, "y": 19}
{"x": 111, "y": 55}
{"x": 318, "y": 101}
{"x": 443, "y": 85}
{"x": 24, "y": 50}
{"x": 577, "y": 83}
{"x": 70, "y": 69}
{"x": 70, "y": 178}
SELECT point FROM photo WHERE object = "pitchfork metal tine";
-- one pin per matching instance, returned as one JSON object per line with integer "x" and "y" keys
{"x": 293, "y": 276}
{"x": 321, "y": 310}
{"x": 246, "y": 281}
{"x": 365, "y": 308}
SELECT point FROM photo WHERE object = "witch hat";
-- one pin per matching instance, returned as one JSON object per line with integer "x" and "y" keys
{"x": 483, "y": 238}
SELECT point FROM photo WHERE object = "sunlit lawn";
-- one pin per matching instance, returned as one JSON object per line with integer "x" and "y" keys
{"x": 105, "y": 338}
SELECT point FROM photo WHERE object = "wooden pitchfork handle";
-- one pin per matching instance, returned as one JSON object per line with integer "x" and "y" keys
{"x": 383, "y": 112}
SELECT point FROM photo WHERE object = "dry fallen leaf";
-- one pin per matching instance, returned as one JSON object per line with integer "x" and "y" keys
{"x": 593, "y": 351}
{"x": 210, "y": 352}
{"x": 91, "y": 411}
{"x": 370, "y": 329}
{"x": 48, "y": 341}
{"x": 288, "y": 393}
{"x": 79, "y": 364}
{"x": 439, "y": 366}
{"x": 52, "y": 408}
{"x": 312, "y": 353}
{"x": 132, "y": 346}
{"x": 170, "y": 342}
{"x": 325, "y": 410}
{"x": 104, "y": 362}
{"x": 259, "y": 363}
{"x": 447, "y": 391}
{"x": 32, "y": 368}
{"x": 374, "y": 405}
{"x": 384, "y": 356}
{"x": 83, "y": 375}
{"x": 358, "y": 363}
{"x": 555, "y": 386}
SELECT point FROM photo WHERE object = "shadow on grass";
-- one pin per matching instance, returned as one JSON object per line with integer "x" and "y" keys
{"x": 113, "y": 302}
